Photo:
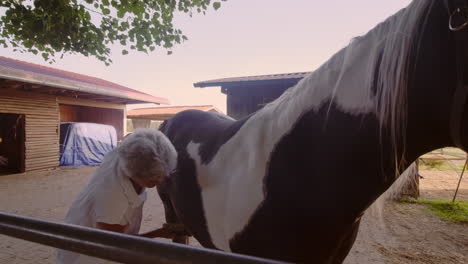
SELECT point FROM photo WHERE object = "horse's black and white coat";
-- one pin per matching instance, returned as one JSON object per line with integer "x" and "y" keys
{"x": 292, "y": 180}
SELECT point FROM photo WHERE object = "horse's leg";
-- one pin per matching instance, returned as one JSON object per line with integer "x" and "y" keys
{"x": 346, "y": 244}
{"x": 181, "y": 239}
{"x": 171, "y": 217}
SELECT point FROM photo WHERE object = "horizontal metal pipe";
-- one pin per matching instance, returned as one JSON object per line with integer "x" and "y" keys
{"x": 113, "y": 246}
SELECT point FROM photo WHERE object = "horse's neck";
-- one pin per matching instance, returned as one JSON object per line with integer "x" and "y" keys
{"x": 345, "y": 81}
{"x": 346, "y": 84}
{"x": 432, "y": 84}
{"x": 428, "y": 95}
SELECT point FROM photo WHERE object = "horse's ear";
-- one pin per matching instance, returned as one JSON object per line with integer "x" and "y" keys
{"x": 162, "y": 127}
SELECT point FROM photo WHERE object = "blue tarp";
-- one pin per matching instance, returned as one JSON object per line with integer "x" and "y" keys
{"x": 85, "y": 143}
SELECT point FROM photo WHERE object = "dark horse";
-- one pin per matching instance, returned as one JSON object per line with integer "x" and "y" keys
{"x": 291, "y": 181}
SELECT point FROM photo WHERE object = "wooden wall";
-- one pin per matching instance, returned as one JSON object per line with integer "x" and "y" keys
{"x": 78, "y": 113}
{"x": 42, "y": 119}
{"x": 68, "y": 113}
{"x": 140, "y": 123}
{"x": 244, "y": 100}
{"x": 41, "y": 126}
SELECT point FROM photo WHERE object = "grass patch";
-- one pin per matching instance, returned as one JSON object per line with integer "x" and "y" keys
{"x": 440, "y": 165}
{"x": 456, "y": 212}
{"x": 449, "y": 162}
{"x": 433, "y": 165}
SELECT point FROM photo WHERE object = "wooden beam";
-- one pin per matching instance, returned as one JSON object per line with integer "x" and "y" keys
{"x": 91, "y": 103}
{"x": 21, "y": 94}
{"x": 63, "y": 96}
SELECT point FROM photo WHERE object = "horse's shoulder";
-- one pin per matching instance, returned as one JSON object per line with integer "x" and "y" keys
{"x": 187, "y": 115}
{"x": 198, "y": 119}
{"x": 198, "y": 115}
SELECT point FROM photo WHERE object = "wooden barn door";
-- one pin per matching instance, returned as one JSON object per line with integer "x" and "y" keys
{"x": 12, "y": 143}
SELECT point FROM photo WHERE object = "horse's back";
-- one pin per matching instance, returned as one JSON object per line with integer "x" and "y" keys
{"x": 209, "y": 129}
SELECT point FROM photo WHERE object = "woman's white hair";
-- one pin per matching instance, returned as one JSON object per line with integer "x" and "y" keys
{"x": 147, "y": 153}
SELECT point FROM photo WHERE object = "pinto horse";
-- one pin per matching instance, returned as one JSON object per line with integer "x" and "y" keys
{"x": 291, "y": 181}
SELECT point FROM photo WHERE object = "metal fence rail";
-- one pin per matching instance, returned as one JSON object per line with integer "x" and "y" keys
{"x": 113, "y": 246}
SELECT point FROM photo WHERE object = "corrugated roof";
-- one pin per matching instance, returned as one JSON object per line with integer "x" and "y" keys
{"x": 252, "y": 79}
{"x": 161, "y": 113}
{"x": 17, "y": 70}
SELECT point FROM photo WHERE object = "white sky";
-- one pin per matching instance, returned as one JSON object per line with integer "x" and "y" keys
{"x": 244, "y": 37}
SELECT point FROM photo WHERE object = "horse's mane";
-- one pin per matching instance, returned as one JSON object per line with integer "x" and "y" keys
{"x": 392, "y": 82}
{"x": 377, "y": 68}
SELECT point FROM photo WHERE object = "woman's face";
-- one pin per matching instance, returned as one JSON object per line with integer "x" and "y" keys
{"x": 150, "y": 176}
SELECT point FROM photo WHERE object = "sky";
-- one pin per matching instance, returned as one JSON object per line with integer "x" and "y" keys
{"x": 242, "y": 38}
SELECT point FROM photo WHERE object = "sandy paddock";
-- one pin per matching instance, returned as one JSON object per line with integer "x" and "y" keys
{"x": 400, "y": 233}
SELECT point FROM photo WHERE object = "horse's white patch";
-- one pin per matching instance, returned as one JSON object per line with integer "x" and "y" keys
{"x": 232, "y": 183}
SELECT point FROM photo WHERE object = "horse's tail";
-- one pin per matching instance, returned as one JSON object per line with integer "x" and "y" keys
{"x": 395, "y": 192}
{"x": 400, "y": 187}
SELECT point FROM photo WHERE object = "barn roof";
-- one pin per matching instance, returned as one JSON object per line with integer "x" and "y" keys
{"x": 162, "y": 113}
{"x": 258, "y": 79}
{"x": 25, "y": 76}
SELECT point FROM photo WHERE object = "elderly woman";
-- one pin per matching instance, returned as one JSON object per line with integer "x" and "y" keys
{"x": 113, "y": 199}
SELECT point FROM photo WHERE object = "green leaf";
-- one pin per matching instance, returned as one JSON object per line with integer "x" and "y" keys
{"x": 28, "y": 44}
{"x": 68, "y": 26}
{"x": 45, "y": 56}
{"x": 120, "y": 13}
{"x": 125, "y": 25}
{"x": 124, "y": 52}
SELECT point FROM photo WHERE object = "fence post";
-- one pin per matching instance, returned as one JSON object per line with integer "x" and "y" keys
{"x": 459, "y": 181}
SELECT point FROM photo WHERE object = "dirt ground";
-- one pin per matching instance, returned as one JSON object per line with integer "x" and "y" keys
{"x": 409, "y": 233}
{"x": 398, "y": 233}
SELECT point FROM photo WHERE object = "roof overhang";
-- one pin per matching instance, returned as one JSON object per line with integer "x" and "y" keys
{"x": 163, "y": 113}
{"x": 252, "y": 81}
{"x": 35, "y": 82}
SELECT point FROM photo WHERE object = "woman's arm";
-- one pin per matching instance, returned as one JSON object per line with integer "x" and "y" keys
{"x": 111, "y": 227}
{"x": 167, "y": 231}
{"x": 160, "y": 232}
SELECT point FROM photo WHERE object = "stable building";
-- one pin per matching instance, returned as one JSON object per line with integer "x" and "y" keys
{"x": 35, "y": 99}
{"x": 154, "y": 116}
{"x": 248, "y": 94}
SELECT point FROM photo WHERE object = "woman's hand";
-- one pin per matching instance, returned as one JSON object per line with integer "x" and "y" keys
{"x": 111, "y": 227}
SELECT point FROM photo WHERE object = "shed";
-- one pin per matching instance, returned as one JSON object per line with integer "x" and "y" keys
{"x": 143, "y": 117}
{"x": 248, "y": 94}
{"x": 34, "y": 99}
